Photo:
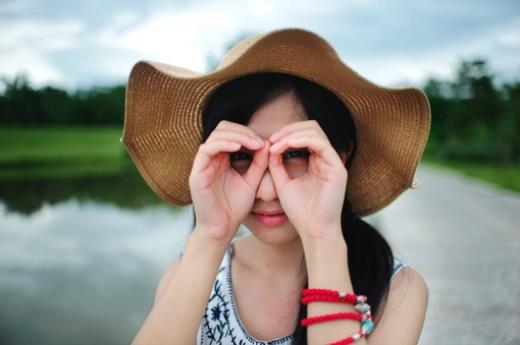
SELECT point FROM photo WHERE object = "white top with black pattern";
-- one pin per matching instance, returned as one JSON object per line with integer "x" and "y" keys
{"x": 221, "y": 323}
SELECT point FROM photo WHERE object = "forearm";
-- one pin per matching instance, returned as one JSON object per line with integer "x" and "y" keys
{"x": 177, "y": 314}
{"x": 327, "y": 268}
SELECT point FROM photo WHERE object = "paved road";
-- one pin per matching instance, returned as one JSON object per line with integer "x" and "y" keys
{"x": 463, "y": 236}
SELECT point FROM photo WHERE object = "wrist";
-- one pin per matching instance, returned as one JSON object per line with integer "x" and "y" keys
{"x": 324, "y": 248}
{"x": 332, "y": 238}
{"x": 215, "y": 238}
{"x": 215, "y": 234}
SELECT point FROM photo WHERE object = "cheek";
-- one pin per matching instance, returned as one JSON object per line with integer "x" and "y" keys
{"x": 296, "y": 167}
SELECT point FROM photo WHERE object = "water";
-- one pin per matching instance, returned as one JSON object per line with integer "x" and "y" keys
{"x": 80, "y": 258}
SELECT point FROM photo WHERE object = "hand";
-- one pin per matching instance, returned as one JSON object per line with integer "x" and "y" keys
{"x": 221, "y": 196}
{"x": 313, "y": 201}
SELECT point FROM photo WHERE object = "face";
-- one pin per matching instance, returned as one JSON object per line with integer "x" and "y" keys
{"x": 268, "y": 119}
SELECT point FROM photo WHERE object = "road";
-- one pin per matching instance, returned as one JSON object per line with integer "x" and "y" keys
{"x": 463, "y": 236}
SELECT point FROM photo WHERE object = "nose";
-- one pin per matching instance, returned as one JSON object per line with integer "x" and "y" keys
{"x": 266, "y": 189}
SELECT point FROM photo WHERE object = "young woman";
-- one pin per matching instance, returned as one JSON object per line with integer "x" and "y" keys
{"x": 297, "y": 153}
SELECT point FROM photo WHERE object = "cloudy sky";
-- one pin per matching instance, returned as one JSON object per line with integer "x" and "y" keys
{"x": 77, "y": 44}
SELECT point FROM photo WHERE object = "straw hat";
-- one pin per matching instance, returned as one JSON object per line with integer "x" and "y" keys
{"x": 164, "y": 104}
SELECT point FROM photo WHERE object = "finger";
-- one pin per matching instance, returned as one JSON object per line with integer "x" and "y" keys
{"x": 241, "y": 137}
{"x": 257, "y": 168}
{"x": 237, "y": 127}
{"x": 318, "y": 146}
{"x": 294, "y": 126}
{"x": 208, "y": 151}
{"x": 277, "y": 170}
{"x": 281, "y": 144}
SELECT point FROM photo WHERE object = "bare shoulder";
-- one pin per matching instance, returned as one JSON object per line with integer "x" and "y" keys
{"x": 402, "y": 317}
{"x": 168, "y": 273}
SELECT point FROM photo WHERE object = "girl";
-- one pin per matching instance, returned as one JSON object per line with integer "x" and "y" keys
{"x": 298, "y": 164}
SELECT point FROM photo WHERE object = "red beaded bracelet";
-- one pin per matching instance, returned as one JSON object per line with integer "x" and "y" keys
{"x": 336, "y": 316}
{"x": 312, "y": 295}
{"x": 364, "y": 315}
{"x": 349, "y": 340}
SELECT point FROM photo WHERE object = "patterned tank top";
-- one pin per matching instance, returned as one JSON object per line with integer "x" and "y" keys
{"x": 221, "y": 323}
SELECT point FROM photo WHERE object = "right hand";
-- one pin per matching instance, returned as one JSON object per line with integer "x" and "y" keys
{"x": 221, "y": 196}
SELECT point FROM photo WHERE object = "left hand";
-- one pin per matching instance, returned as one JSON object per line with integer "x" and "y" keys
{"x": 314, "y": 200}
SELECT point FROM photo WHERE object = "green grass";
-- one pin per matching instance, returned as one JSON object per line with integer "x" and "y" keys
{"x": 61, "y": 151}
{"x": 502, "y": 175}
{"x": 29, "y": 152}
{"x": 59, "y": 143}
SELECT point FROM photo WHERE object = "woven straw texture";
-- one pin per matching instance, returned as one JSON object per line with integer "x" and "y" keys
{"x": 163, "y": 109}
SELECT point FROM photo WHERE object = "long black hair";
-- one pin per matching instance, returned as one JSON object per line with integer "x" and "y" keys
{"x": 370, "y": 258}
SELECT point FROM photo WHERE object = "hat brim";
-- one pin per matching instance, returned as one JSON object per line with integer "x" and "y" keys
{"x": 164, "y": 104}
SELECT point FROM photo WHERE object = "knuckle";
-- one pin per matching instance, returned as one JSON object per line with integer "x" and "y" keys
{"x": 223, "y": 124}
{"x": 203, "y": 148}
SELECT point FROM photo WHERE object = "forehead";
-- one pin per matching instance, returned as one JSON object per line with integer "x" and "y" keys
{"x": 279, "y": 112}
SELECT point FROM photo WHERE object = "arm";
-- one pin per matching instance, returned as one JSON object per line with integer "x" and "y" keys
{"x": 403, "y": 316}
{"x": 327, "y": 267}
{"x": 182, "y": 297}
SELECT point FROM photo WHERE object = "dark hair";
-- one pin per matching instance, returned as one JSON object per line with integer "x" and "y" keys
{"x": 370, "y": 257}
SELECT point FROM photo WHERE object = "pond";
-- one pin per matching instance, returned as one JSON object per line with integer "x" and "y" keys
{"x": 80, "y": 258}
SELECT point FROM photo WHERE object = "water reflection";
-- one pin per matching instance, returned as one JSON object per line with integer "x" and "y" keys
{"x": 81, "y": 263}
{"x": 83, "y": 272}
{"x": 125, "y": 189}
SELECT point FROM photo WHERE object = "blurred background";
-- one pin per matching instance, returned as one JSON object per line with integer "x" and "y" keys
{"x": 83, "y": 240}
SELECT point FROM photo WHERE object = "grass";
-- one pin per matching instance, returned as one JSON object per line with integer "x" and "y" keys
{"x": 61, "y": 151}
{"x": 59, "y": 143}
{"x": 30, "y": 152}
{"x": 502, "y": 175}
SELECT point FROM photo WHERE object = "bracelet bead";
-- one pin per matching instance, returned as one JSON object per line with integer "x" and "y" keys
{"x": 360, "y": 305}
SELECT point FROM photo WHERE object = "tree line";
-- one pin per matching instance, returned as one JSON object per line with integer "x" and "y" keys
{"x": 472, "y": 117}
{"x": 20, "y": 104}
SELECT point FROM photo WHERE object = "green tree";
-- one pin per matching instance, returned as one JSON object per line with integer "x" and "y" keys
{"x": 57, "y": 105}
{"x": 20, "y": 103}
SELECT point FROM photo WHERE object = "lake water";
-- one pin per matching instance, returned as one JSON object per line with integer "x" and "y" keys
{"x": 80, "y": 258}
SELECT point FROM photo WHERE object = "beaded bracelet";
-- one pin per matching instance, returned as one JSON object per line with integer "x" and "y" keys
{"x": 359, "y": 301}
{"x": 312, "y": 295}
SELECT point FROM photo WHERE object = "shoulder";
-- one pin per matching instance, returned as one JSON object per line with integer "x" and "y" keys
{"x": 398, "y": 265}
{"x": 408, "y": 283}
{"x": 402, "y": 315}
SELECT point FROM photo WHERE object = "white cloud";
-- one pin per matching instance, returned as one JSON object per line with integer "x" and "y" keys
{"x": 34, "y": 63}
{"x": 185, "y": 37}
{"x": 13, "y": 6}
{"x": 25, "y": 46}
{"x": 41, "y": 35}
{"x": 376, "y": 39}
{"x": 181, "y": 37}
{"x": 414, "y": 67}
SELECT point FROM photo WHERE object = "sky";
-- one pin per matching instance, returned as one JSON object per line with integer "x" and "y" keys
{"x": 80, "y": 44}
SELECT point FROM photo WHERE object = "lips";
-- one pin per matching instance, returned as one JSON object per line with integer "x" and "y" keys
{"x": 269, "y": 213}
{"x": 270, "y": 219}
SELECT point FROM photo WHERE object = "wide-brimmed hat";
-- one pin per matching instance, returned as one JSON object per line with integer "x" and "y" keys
{"x": 164, "y": 106}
